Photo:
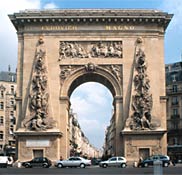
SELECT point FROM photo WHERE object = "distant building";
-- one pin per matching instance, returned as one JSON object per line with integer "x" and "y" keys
{"x": 109, "y": 148}
{"x": 79, "y": 143}
{"x": 7, "y": 109}
{"x": 174, "y": 109}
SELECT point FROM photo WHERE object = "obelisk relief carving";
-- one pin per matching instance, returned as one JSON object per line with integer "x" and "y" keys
{"x": 142, "y": 101}
{"x": 38, "y": 106}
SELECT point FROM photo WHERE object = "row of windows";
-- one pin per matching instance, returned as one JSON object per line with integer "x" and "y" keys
{"x": 175, "y": 111}
{"x": 1, "y": 135}
{"x": 2, "y": 104}
{"x": 175, "y": 100}
{"x": 175, "y": 88}
{"x": 1, "y": 120}
{"x": 12, "y": 120}
{"x": 12, "y": 91}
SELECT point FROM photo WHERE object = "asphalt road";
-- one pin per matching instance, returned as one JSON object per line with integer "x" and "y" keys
{"x": 93, "y": 170}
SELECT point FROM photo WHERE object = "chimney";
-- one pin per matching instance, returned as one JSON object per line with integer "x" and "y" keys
{"x": 9, "y": 68}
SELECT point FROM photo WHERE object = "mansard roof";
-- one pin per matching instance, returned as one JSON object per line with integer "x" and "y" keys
{"x": 173, "y": 73}
{"x": 7, "y": 76}
{"x": 115, "y": 16}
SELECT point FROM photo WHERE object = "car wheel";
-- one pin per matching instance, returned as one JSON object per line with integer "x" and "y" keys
{"x": 104, "y": 165}
{"x": 45, "y": 165}
{"x": 82, "y": 165}
{"x": 145, "y": 165}
{"x": 139, "y": 166}
{"x": 27, "y": 166}
{"x": 123, "y": 165}
{"x": 60, "y": 165}
{"x": 166, "y": 164}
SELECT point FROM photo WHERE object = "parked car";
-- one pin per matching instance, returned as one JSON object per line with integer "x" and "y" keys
{"x": 37, "y": 162}
{"x": 6, "y": 161}
{"x": 114, "y": 161}
{"x": 73, "y": 162}
{"x": 95, "y": 161}
{"x": 3, "y": 161}
{"x": 150, "y": 161}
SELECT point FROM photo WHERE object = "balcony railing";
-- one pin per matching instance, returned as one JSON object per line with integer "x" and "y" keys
{"x": 172, "y": 91}
{"x": 176, "y": 116}
{"x": 174, "y": 124}
{"x": 175, "y": 103}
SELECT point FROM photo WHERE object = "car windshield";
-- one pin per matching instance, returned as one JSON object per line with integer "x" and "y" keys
{"x": 113, "y": 159}
{"x": 36, "y": 159}
{"x": 120, "y": 158}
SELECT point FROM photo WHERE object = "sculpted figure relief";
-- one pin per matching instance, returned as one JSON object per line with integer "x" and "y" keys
{"x": 142, "y": 100}
{"x": 116, "y": 70}
{"x": 84, "y": 49}
{"x": 90, "y": 67}
{"x": 65, "y": 71}
{"x": 38, "y": 98}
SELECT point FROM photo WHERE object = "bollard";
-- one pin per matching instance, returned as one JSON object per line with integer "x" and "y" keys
{"x": 158, "y": 169}
{"x": 19, "y": 164}
{"x": 135, "y": 164}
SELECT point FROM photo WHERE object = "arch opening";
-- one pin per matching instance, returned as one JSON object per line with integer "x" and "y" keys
{"x": 104, "y": 77}
{"x": 91, "y": 103}
{"x": 91, "y": 77}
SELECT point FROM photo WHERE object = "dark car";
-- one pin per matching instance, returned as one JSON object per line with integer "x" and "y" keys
{"x": 150, "y": 161}
{"x": 95, "y": 161}
{"x": 37, "y": 162}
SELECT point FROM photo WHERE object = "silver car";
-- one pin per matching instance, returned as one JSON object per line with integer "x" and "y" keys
{"x": 73, "y": 162}
{"x": 114, "y": 161}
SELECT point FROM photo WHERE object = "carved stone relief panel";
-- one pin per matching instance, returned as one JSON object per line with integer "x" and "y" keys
{"x": 39, "y": 97}
{"x": 66, "y": 70}
{"x": 90, "y": 49}
{"x": 116, "y": 70}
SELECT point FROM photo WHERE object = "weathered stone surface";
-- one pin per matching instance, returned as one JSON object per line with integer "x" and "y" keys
{"x": 93, "y": 45}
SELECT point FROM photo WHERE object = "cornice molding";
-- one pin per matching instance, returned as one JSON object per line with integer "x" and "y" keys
{"x": 109, "y": 16}
{"x": 142, "y": 132}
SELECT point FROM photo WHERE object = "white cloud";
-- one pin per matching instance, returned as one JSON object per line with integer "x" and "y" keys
{"x": 50, "y": 6}
{"x": 173, "y": 7}
{"x": 8, "y": 35}
{"x": 95, "y": 93}
{"x": 94, "y": 131}
{"x": 173, "y": 34}
{"x": 92, "y": 102}
{"x": 89, "y": 125}
{"x": 80, "y": 106}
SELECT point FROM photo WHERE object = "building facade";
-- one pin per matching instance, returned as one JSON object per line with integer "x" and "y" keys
{"x": 7, "y": 110}
{"x": 79, "y": 143}
{"x": 109, "y": 139}
{"x": 121, "y": 49}
{"x": 174, "y": 109}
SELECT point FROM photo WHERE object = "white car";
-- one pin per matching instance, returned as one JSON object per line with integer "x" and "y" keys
{"x": 114, "y": 161}
{"x": 73, "y": 162}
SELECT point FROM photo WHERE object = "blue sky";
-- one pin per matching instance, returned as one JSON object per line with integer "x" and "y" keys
{"x": 95, "y": 100}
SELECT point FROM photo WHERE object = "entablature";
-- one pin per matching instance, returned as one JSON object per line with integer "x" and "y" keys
{"x": 91, "y": 16}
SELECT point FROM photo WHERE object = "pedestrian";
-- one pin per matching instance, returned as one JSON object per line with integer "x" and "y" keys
{"x": 61, "y": 158}
{"x": 173, "y": 161}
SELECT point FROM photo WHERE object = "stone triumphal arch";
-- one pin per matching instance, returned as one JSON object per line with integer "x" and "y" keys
{"x": 60, "y": 49}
